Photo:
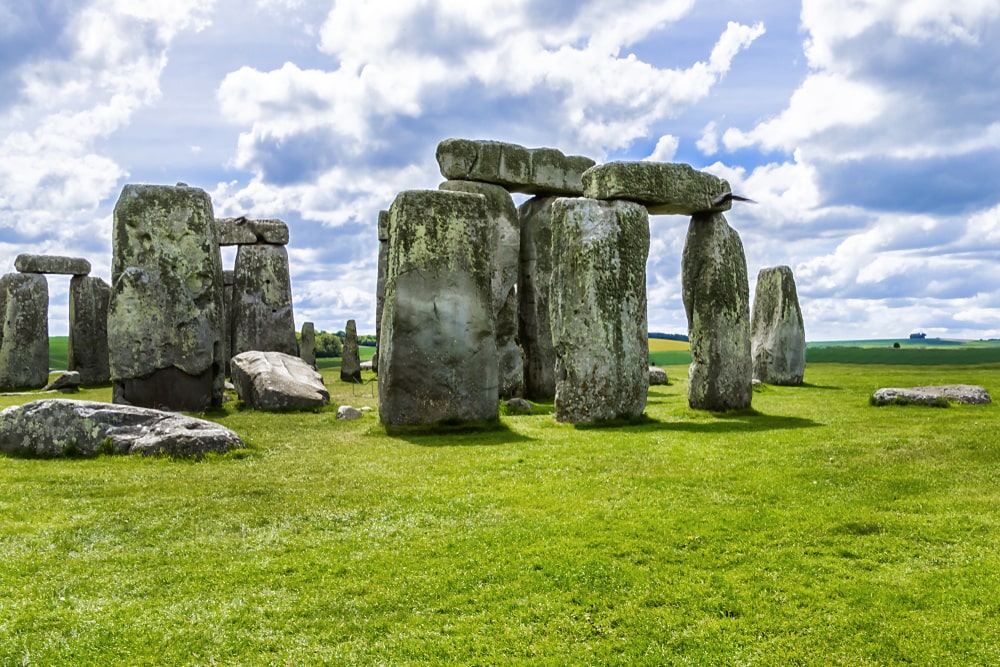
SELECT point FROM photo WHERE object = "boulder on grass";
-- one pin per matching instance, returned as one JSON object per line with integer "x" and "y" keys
{"x": 277, "y": 381}
{"x": 952, "y": 393}
{"x": 66, "y": 382}
{"x": 657, "y": 375}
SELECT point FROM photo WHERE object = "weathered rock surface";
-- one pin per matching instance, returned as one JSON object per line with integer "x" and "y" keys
{"x": 262, "y": 301}
{"x": 544, "y": 171}
{"x": 662, "y": 187}
{"x": 777, "y": 335}
{"x": 228, "y": 280}
{"x": 73, "y": 266}
{"x": 87, "y": 348}
{"x": 598, "y": 309}
{"x": 953, "y": 393}
{"x": 348, "y": 413}
{"x": 62, "y": 427}
{"x": 307, "y": 344}
{"x": 657, "y": 376}
{"x": 242, "y": 231}
{"x": 350, "y": 356}
{"x": 534, "y": 329}
{"x": 438, "y": 361}
{"x": 277, "y": 381}
{"x": 505, "y": 241}
{"x": 68, "y": 382}
{"x": 716, "y": 296}
{"x": 518, "y": 406}
{"x": 24, "y": 331}
{"x": 165, "y": 314}
{"x": 383, "y": 267}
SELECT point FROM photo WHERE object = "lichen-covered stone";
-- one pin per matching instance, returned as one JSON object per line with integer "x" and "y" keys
{"x": 716, "y": 296}
{"x": 165, "y": 315}
{"x": 277, "y": 381}
{"x": 24, "y": 332}
{"x": 598, "y": 309}
{"x": 383, "y": 267}
{"x": 71, "y": 266}
{"x": 243, "y": 231}
{"x": 657, "y": 376}
{"x": 535, "y": 277}
{"x": 61, "y": 427}
{"x": 968, "y": 394}
{"x": 67, "y": 382}
{"x": 662, "y": 187}
{"x": 307, "y": 344}
{"x": 350, "y": 355}
{"x": 89, "y": 297}
{"x": 438, "y": 359}
{"x": 538, "y": 171}
{"x": 505, "y": 242}
{"x": 777, "y": 335}
{"x": 262, "y": 301}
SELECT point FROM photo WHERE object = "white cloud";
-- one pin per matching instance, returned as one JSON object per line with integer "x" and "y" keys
{"x": 666, "y": 147}
{"x": 708, "y": 143}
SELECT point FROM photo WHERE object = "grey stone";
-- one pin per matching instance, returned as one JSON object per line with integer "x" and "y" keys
{"x": 62, "y": 427}
{"x": 277, "y": 381}
{"x": 597, "y": 309}
{"x": 73, "y": 266}
{"x": 542, "y": 171}
{"x": 350, "y": 356}
{"x": 505, "y": 242}
{"x": 67, "y": 382}
{"x": 518, "y": 405}
{"x": 716, "y": 296}
{"x": 348, "y": 413}
{"x": 383, "y": 266}
{"x": 657, "y": 376}
{"x": 438, "y": 361}
{"x": 24, "y": 331}
{"x": 262, "y": 301}
{"x": 953, "y": 393}
{"x": 662, "y": 187}
{"x": 777, "y": 335}
{"x": 243, "y": 231}
{"x": 367, "y": 365}
{"x": 165, "y": 315}
{"x": 307, "y": 344}
{"x": 87, "y": 348}
{"x": 534, "y": 279}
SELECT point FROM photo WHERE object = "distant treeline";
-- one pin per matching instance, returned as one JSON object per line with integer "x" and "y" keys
{"x": 665, "y": 336}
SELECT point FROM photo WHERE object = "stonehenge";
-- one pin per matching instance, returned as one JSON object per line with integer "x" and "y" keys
{"x": 777, "y": 335}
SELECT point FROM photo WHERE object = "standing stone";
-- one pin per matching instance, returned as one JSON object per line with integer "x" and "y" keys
{"x": 165, "y": 315}
{"x": 89, "y": 297}
{"x": 778, "y": 337}
{"x": 534, "y": 278}
{"x": 383, "y": 264}
{"x": 350, "y": 357}
{"x": 262, "y": 301}
{"x": 439, "y": 357}
{"x": 307, "y": 344}
{"x": 717, "y": 302}
{"x": 24, "y": 334}
{"x": 598, "y": 309}
{"x": 505, "y": 242}
{"x": 228, "y": 280}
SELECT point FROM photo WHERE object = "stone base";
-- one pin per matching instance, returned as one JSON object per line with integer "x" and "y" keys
{"x": 168, "y": 389}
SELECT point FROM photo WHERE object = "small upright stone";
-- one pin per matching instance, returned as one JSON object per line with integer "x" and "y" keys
{"x": 262, "y": 301}
{"x": 778, "y": 338}
{"x": 307, "y": 344}
{"x": 535, "y": 277}
{"x": 89, "y": 297}
{"x": 662, "y": 187}
{"x": 70, "y": 266}
{"x": 24, "y": 331}
{"x": 350, "y": 356}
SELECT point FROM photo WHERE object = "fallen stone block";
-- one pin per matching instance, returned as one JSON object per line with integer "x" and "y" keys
{"x": 277, "y": 381}
{"x": 934, "y": 395}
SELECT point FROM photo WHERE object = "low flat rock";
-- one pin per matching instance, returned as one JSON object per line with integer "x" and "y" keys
{"x": 244, "y": 231}
{"x": 662, "y": 187}
{"x": 535, "y": 171}
{"x": 68, "y": 381}
{"x": 657, "y": 376}
{"x": 953, "y": 393}
{"x": 62, "y": 427}
{"x": 277, "y": 381}
{"x": 71, "y": 266}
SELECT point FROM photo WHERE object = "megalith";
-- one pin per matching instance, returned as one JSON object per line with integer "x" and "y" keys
{"x": 165, "y": 314}
{"x": 350, "y": 356}
{"x": 307, "y": 344}
{"x": 71, "y": 266}
{"x": 228, "y": 280}
{"x": 505, "y": 243}
{"x": 24, "y": 334}
{"x": 662, "y": 187}
{"x": 597, "y": 309}
{"x": 383, "y": 266}
{"x": 534, "y": 278}
{"x": 438, "y": 359}
{"x": 89, "y": 297}
{"x": 262, "y": 301}
{"x": 716, "y": 297}
{"x": 778, "y": 338}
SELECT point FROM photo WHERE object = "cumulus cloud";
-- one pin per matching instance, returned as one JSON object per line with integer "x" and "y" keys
{"x": 666, "y": 148}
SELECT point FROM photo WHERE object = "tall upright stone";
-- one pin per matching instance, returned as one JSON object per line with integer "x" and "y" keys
{"x": 534, "y": 278}
{"x": 228, "y": 282}
{"x": 350, "y": 356}
{"x": 307, "y": 344}
{"x": 778, "y": 337}
{"x": 24, "y": 332}
{"x": 165, "y": 315}
{"x": 438, "y": 357}
{"x": 89, "y": 297}
{"x": 716, "y": 296}
{"x": 262, "y": 301}
{"x": 505, "y": 242}
{"x": 383, "y": 266}
{"x": 598, "y": 309}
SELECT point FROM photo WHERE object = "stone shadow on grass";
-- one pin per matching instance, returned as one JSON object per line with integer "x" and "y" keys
{"x": 741, "y": 421}
{"x": 457, "y": 435}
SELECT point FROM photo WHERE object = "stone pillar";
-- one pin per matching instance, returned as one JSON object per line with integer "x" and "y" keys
{"x": 778, "y": 337}
{"x": 89, "y": 297}
{"x": 717, "y": 302}
{"x": 165, "y": 315}
{"x": 598, "y": 309}
{"x": 24, "y": 332}
{"x": 262, "y": 301}
{"x": 439, "y": 357}
{"x": 534, "y": 279}
{"x": 228, "y": 280}
{"x": 307, "y": 344}
{"x": 383, "y": 264}
{"x": 350, "y": 356}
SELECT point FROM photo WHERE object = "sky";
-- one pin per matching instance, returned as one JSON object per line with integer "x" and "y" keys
{"x": 867, "y": 131}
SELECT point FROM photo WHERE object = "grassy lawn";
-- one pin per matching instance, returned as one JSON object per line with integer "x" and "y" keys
{"x": 814, "y": 529}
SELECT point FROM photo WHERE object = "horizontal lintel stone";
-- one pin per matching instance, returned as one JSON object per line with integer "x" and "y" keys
{"x": 244, "y": 231}
{"x": 662, "y": 187}
{"x": 73, "y": 266}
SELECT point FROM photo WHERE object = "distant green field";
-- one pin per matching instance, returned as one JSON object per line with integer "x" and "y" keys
{"x": 58, "y": 352}
{"x": 925, "y": 352}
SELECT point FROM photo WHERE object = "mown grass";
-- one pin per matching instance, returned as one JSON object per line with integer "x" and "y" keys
{"x": 812, "y": 529}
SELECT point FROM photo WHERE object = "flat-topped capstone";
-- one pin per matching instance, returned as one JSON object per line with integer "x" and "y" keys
{"x": 243, "y": 231}
{"x": 662, "y": 187}
{"x": 70, "y": 266}
{"x": 536, "y": 171}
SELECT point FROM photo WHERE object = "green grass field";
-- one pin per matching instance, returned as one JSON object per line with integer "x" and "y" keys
{"x": 813, "y": 529}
